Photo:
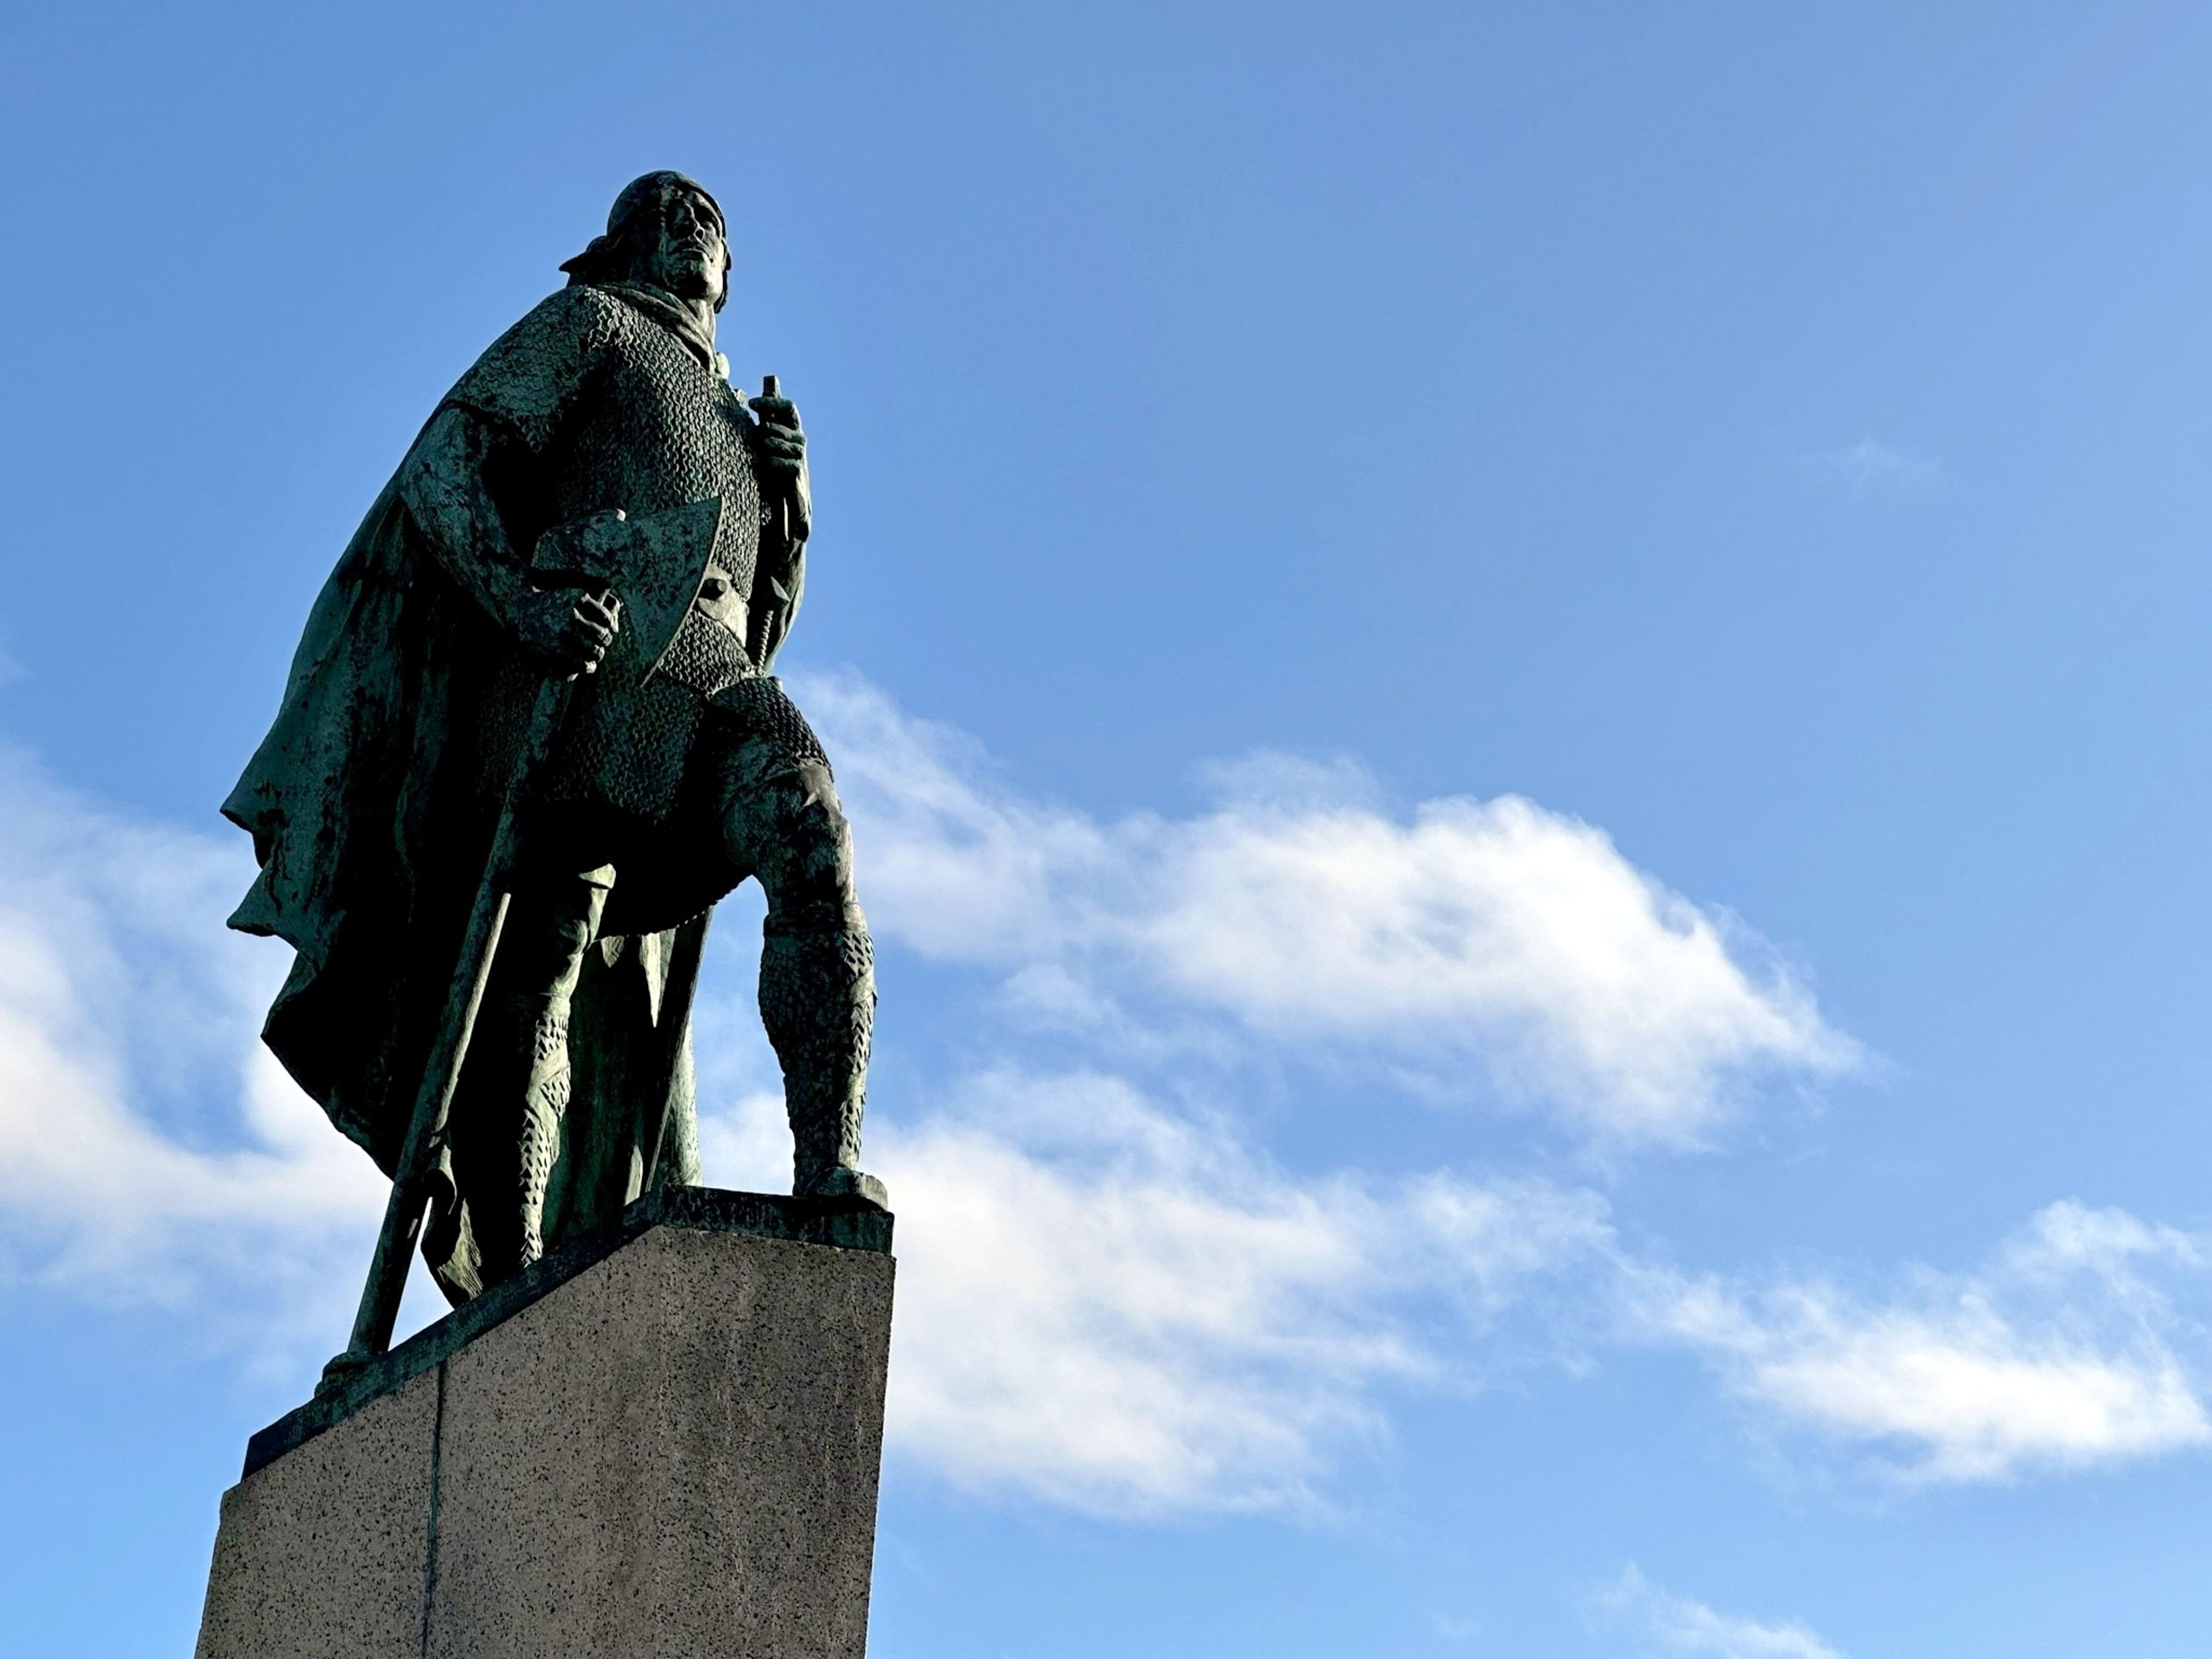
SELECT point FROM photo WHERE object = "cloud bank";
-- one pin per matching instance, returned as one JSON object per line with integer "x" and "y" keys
{"x": 1113, "y": 1298}
{"x": 1152, "y": 1318}
{"x": 150, "y": 1151}
{"x": 1492, "y": 937}
{"x": 1109, "y": 1307}
{"x": 2069, "y": 1348}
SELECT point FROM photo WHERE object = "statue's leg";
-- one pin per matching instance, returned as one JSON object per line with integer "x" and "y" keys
{"x": 782, "y": 820}
{"x": 516, "y": 1091}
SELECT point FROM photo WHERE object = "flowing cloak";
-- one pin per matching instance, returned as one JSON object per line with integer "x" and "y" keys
{"x": 374, "y": 800}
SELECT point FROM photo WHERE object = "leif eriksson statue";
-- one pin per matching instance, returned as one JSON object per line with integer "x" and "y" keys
{"x": 528, "y": 739}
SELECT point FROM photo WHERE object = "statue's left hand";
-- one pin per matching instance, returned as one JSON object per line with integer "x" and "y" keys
{"x": 782, "y": 447}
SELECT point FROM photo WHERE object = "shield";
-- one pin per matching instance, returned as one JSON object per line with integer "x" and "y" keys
{"x": 653, "y": 565}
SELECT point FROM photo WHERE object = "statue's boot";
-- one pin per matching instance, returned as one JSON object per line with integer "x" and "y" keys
{"x": 544, "y": 1103}
{"x": 818, "y": 1000}
{"x": 527, "y": 1037}
{"x": 507, "y": 1117}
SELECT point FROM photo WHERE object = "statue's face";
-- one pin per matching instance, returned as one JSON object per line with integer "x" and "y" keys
{"x": 686, "y": 259}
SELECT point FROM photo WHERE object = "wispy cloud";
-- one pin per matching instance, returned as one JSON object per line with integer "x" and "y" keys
{"x": 1160, "y": 1320}
{"x": 149, "y": 1149}
{"x": 2068, "y": 1349}
{"x": 1494, "y": 935}
{"x": 1677, "y": 1624}
{"x": 1108, "y": 1307}
{"x": 1110, "y": 1298}
{"x": 1871, "y": 467}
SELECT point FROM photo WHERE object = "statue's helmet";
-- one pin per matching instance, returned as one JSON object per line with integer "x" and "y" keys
{"x": 636, "y": 215}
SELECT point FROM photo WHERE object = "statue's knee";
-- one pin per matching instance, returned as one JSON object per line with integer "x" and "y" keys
{"x": 806, "y": 866}
{"x": 545, "y": 939}
{"x": 812, "y": 890}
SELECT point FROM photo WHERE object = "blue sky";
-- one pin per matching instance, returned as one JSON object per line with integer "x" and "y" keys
{"x": 1523, "y": 694}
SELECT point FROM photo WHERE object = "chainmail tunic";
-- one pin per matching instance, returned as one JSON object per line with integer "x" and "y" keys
{"x": 604, "y": 406}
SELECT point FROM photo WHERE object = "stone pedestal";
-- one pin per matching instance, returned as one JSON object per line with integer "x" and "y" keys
{"x": 659, "y": 1443}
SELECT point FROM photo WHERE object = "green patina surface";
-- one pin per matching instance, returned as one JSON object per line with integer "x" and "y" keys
{"x": 529, "y": 740}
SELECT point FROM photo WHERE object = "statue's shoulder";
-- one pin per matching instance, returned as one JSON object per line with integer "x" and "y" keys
{"x": 579, "y": 315}
{"x": 528, "y": 374}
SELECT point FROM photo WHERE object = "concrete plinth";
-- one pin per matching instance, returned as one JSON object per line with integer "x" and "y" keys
{"x": 660, "y": 1443}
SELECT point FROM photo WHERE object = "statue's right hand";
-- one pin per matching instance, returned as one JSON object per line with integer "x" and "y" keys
{"x": 567, "y": 630}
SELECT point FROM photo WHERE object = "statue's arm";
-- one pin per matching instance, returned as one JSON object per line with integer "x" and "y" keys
{"x": 777, "y": 593}
{"x": 780, "y": 453}
{"x": 442, "y": 485}
{"x": 799, "y": 522}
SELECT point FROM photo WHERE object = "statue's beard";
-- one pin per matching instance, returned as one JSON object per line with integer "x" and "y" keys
{"x": 689, "y": 279}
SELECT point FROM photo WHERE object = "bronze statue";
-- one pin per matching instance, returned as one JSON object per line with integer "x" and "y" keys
{"x": 528, "y": 739}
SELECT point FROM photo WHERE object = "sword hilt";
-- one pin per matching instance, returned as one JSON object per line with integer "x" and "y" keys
{"x": 769, "y": 389}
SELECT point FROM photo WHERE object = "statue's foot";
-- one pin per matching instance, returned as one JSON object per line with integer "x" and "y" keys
{"x": 842, "y": 1181}
{"x": 341, "y": 1370}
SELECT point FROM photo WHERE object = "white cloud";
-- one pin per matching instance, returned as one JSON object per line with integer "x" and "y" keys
{"x": 1105, "y": 1307}
{"x": 151, "y": 1150}
{"x": 1103, "y": 1304}
{"x": 1491, "y": 934}
{"x": 1871, "y": 466}
{"x": 1677, "y": 1624}
{"x": 2066, "y": 1350}
{"x": 1108, "y": 1302}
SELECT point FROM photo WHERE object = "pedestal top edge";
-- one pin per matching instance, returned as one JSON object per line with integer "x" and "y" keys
{"x": 850, "y": 1223}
